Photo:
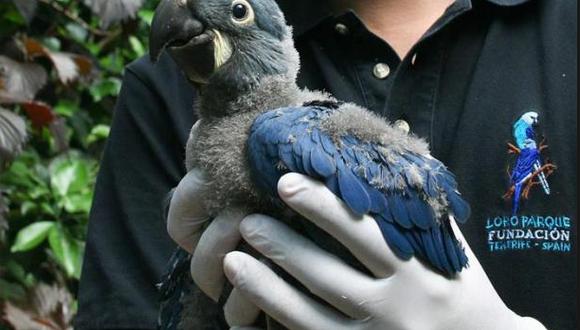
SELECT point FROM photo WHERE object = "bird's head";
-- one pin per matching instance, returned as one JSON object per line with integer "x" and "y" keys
{"x": 531, "y": 118}
{"x": 240, "y": 41}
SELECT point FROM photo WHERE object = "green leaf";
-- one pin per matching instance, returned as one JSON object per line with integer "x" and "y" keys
{"x": 10, "y": 14}
{"x": 27, "y": 206}
{"x": 16, "y": 270}
{"x": 80, "y": 203}
{"x": 76, "y": 32}
{"x": 93, "y": 48}
{"x": 99, "y": 132}
{"x": 104, "y": 88}
{"x": 67, "y": 251}
{"x": 146, "y": 15}
{"x": 11, "y": 291}
{"x": 66, "y": 108}
{"x": 49, "y": 209}
{"x": 31, "y": 236}
{"x": 52, "y": 43}
{"x": 69, "y": 175}
{"x": 19, "y": 174}
{"x": 19, "y": 273}
{"x": 113, "y": 62}
{"x": 137, "y": 46}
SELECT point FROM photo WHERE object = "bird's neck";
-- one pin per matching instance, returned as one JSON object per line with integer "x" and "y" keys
{"x": 228, "y": 98}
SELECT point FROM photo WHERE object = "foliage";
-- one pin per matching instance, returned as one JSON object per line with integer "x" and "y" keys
{"x": 61, "y": 63}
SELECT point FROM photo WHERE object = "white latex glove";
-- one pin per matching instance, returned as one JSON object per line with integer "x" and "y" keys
{"x": 400, "y": 295}
{"x": 189, "y": 225}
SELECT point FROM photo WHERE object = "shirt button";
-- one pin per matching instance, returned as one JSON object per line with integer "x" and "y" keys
{"x": 341, "y": 29}
{"x": 414, "y": 59}
{"x": 381, "y": 71}
{"x": 403, "y": 125}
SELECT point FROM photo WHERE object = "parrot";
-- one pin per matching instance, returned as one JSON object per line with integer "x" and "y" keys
{"x": 256, "y": 124}
{"x": 529, "y": 160}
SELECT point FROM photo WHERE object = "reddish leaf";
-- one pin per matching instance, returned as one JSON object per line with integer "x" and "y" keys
{"x": 65, "y": 66}
{"x": 68, "y": 66}
{"x": 114, "y": 11}
{"x": 53, "y": 302}
{"x": 6, "y": 98}
{"x": 12, "y": 137}
{"x": 20, "y": 80}
{"x": 20, "y": 319}
{"x": 40, "y": 114}
{"x": 49, "y": 309}
{"x": 32, "y": 47}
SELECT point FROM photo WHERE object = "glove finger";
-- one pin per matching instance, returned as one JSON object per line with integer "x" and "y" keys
{"x": 240, "y": 311}
{"x": 190, "y": 146}
{"x": 361, "y": 236}
{"x": 277, "y": 298}
{"x": 187, "y": 214}
{"x": 332, "y": 280}
{"x": 221, "y": 237}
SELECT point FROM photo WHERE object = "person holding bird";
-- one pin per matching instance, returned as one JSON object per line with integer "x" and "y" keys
{"x": 366, "y": 233}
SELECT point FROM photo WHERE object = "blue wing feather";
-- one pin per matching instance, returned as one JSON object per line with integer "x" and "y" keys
{"x": 399, "y": 211}
{"x": 287, "y": 156}
{"x": 306, "y": 161}
{"x": 331, "y": 183}
{"x": 459, "y": 206}
{"x": 419, "y": 212}
{"x": 322, "y": 163}
{"x": 396, "y": 240}
{"x": 430, "y": 249}
{"x": 352, "y": 191}
{"x": 394, "y": 189}
{"x": 437, "y": 237}
{"x": 450, "y": 249}
{"x": 328, "y": 145}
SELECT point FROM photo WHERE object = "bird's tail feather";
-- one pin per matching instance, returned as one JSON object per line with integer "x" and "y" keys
{"x": 517, "y": 195}
{"x": 437, "y": 246}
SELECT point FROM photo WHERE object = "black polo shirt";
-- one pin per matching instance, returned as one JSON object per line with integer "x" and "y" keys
{"x": 463, "y": 87}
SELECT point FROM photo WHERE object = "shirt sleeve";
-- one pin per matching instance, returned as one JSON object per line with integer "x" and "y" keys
{"x": 127, "y": 245}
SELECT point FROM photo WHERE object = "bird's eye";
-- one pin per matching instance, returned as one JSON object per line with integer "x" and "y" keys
{"x": 242, "y": 12}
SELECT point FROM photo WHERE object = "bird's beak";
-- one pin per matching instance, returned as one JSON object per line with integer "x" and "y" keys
{"x": 176, "y": 29}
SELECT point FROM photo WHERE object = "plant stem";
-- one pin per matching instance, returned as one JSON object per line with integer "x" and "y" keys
{"x": 74, "y": 18}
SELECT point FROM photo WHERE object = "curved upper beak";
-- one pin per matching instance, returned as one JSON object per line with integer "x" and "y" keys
{"x": 187, "y": 40}
{"x": 173, "y": 25}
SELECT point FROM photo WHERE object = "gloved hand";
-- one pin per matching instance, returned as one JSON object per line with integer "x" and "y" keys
{"x": 189, "y": 225}
{"x": 400, "y": 295}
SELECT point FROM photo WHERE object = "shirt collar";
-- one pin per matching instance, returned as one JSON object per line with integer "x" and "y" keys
{"x": 304, "y": 15}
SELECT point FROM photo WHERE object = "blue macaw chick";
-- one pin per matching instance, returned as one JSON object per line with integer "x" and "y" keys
{"x": 256, "y": 124}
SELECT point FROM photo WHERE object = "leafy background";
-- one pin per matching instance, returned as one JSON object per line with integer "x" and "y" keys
{"x": 61, "y": 63}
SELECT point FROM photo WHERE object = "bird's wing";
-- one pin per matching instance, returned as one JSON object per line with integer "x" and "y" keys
{"x": 408, "y": 194}
{"x": 525, "y": 164}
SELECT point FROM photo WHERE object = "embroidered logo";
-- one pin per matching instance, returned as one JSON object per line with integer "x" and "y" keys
{"x": 529, "y": 169}
{"x": 517, "y": 232}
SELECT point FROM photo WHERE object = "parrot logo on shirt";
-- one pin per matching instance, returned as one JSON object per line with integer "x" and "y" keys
{"x": 529, "y": 169}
